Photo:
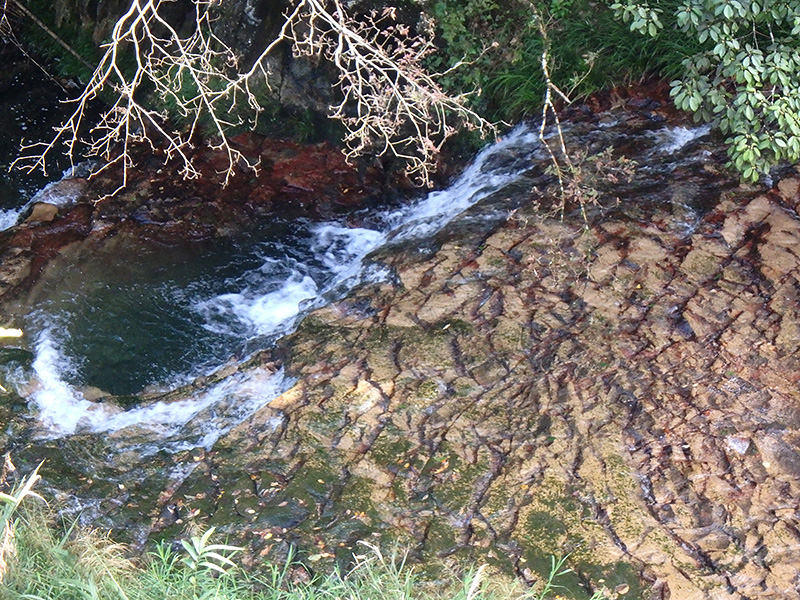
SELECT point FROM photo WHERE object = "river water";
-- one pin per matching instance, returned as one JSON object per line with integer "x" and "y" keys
{"x": 109, "y": 325}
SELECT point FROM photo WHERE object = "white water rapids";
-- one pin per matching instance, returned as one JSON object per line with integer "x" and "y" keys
{"x": 10, "y": 216}
{"x": 267, "y": 303}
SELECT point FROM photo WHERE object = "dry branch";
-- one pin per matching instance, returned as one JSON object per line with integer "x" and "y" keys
{"x": 388, "y": 102}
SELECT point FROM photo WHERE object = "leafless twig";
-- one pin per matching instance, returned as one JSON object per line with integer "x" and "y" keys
{"x": 388, "y": 102}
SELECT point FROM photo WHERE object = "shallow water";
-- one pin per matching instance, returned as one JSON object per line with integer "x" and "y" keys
{"x": 103, "y": 323}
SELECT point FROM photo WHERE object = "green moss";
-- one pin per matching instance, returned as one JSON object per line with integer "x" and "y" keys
{"x": 618, "y": 576}
{"x": 452, "y": 327}
{"x": 451, "y": 479}
{"x": 428, "y": 390}
{"x": 545, "y": 526}
{"x": 392, "y": 446}
{"x": 357, "y": 495}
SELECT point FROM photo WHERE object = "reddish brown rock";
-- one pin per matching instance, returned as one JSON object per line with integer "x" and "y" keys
{"x": 26, "y": 249}
{"x": 158, "y": 206}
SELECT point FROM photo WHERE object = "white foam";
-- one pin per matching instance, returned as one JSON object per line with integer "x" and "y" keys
{"x": 341, "y": 251}
{"x": 477, "y": 181}
{"x": 61, "y": 408}
{"x": 203, "y": 418}
{"x": 269, "y": 302}
{"x": 9, "y": 218}
{"x": 340, "y": 247}
{"x": 259, "y": 314}
{"x": 200, "y": 420}
{"x": 337, "y": 253}
{"x": 673, "y": 139}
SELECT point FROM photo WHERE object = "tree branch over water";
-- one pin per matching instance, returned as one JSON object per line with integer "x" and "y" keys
{"x": 388, "y": 102}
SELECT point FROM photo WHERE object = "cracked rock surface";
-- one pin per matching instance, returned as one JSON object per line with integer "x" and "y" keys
{"x": 624, "y": 389}
{"x": 624, "y": 392}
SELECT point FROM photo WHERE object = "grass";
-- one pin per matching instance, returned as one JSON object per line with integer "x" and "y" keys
{"x": 589, "y": 50}
{"x": 42, "y": 561}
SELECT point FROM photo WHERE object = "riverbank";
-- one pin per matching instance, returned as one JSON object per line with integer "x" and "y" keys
{"x": 39, "y": 557}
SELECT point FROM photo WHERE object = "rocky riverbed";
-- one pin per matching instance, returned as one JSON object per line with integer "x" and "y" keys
{"x": 622, "y": 387}
{"x": 622, "y": 392}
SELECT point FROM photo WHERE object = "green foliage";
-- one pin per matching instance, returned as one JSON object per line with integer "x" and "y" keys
{"x": 745, "y": 77}
{"x": 558, "y": 569}
{"x": 71, "y": 32}
{"x": 477, "y": 35}
{"x": 9, "y": 505}
{"x": 203, "y": 555}
{"x": 590, "y": 51}
{"x": 501, "y": 47}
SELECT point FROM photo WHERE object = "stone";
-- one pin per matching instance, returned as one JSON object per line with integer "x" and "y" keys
{"x": 42, "y": 213}
{"x": 621, "y": 390}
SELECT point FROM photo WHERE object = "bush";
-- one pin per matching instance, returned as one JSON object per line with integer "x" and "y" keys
{"x": 745, "y": 77}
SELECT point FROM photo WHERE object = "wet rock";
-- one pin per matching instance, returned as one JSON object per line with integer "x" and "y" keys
{"x": 42, "y": 213}
{"x": 623, "y": 389}
{"x": 627, "y": 393}
{"x": 26, "y": 250}
{"x": 62, "y": 193}
{"x": 292, "y": 180}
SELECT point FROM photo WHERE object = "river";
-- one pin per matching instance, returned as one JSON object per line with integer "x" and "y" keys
{"x": 109, "y": 326}
{"x": 466, "y": 374}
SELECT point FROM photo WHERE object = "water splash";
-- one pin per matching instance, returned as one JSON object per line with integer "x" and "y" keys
{"x": 61, "y": 408}
{"x": 273, "y": 299}
{"x": 52, "y": 193}
{"x": 178, "y": 425}
{"x": 674, "y": 139}
{"x": 9, "y": 217}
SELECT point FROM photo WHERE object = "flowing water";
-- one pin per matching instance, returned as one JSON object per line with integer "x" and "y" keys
{"x": 110, "y": 325}
{"x": 30, "y": 107}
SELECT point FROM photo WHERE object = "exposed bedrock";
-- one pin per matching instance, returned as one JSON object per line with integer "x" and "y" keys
{"x": 624, "y": 392}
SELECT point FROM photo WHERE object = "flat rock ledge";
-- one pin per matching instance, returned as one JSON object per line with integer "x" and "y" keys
{"x": 624, "y": 392}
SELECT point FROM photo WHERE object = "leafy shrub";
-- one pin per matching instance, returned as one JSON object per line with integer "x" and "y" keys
{"x": 745, "y": 77}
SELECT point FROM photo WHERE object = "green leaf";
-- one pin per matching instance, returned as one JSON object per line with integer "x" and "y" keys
{"x": 213, "y": 567}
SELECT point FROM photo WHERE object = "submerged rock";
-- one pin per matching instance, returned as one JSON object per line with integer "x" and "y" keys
{"x": 626, "y": 393}
{"x": 623, "y": 388}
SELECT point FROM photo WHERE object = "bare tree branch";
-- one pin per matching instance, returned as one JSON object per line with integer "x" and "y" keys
{"x": 389, "y": 103}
